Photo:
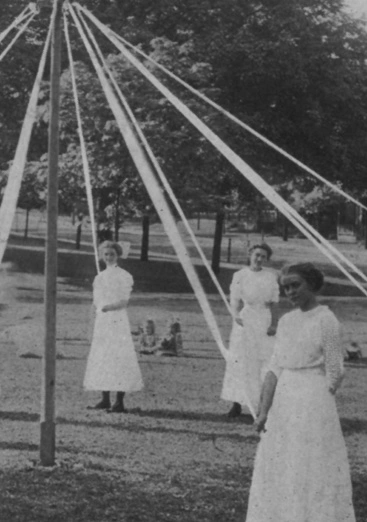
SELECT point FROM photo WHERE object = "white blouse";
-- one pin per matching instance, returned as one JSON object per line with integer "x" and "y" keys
{"x": 111, "y": 285}
{"x": 309, "y": 340}
{"x": 254, "y": 288}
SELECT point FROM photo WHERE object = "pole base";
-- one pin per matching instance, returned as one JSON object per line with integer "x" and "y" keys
{"x": 47, "y": 445}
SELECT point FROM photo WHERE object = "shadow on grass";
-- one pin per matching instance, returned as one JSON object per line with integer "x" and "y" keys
{"x": 162, "y": 359}
{"x": 160, "y": 414}
{"x": 350, "y": 426}
{"x": 60, "y": 299}
{"x": 138, "y": 428}
{"x": 19, "y": 416}
{"x": 59, "y": 356}
{"x": 360, "y": 363}
{"x": 20, "y": 446}
{"x": 67, "y": 494}
{"x": 359, "y": 483}
{"x": 189, "y": 415}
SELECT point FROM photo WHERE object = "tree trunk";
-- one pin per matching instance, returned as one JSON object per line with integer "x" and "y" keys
{"x": 145, "y": 239}
{"x": 229, "y": 250}
{"x": 26, "y": 223}
{"x": 117, "y": 216}
{"x": 78, "y": 235}
{"x": 217, "y": 242}
{"x": 98, "y": 217}
{"x": 285, "y": 228}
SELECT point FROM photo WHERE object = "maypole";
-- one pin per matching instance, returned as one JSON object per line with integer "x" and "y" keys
{"x": 47, "y": 442}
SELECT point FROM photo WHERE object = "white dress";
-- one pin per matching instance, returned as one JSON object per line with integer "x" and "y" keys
{"x": 249, "y": 346}
{"x": 301, "y": 469}
{"x": 112, "y": 362}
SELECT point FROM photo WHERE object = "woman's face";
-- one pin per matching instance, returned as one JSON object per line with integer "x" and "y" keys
{"x": 110, "y": 256}
{"x": 298, "y": 291}
{"x": 258, "y": 257}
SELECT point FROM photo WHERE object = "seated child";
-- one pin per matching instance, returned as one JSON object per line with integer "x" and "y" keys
{"x": 148, "y": 339}
{"x": 171, "y": 344}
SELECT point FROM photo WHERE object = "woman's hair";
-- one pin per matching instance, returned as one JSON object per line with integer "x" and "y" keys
{"x": 263, "y": 246}
{"x": 312, "y": 275}
{"x": 110, "y": 244}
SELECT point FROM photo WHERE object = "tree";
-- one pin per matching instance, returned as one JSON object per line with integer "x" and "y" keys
{"x": 294, "y": 70}
{"x": 32, "y": 195}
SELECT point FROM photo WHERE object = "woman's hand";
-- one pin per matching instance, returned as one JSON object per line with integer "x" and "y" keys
{"x": 239, "y": 321}
{"x": 260, "y": 422}
{"x": 272, "y": 330}
{"x": 119, "y": 305}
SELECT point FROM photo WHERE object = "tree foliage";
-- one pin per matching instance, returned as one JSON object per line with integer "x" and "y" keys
{"x": 295, "y": 71}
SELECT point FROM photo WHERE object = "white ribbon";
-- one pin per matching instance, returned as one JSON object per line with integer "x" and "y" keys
{"x": 154, "y": 190}
{"x": 319, "y": 241}
{"x": 20, "y": 31}
{"x": 242, "y": 124}
{"x": 11, "y": 193}
{"x": 19, "y": 19}
{"x": 88, "y": 184}
{"x": 161, "y": 174}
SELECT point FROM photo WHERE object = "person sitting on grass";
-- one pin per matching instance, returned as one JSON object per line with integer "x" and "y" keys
{"x": 112, "y": 362}
{"x": 171, "y": 344}
{"x": 148, "y": 338}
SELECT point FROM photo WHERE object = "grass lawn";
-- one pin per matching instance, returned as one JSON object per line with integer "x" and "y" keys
{"x": 174, "y": 456}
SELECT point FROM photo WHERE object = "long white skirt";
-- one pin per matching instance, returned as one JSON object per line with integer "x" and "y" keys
{"x": 301, "y": 469}
{"x": 250, "y": 348}
{"x": 112, "y": 362}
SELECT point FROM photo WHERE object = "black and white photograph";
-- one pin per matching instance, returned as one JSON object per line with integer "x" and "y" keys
{"x": 183, "y": 261}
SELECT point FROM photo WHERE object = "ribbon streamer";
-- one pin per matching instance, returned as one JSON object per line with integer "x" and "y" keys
{"x": 319, "y": 241}
{"x": 11, "y": 193}
{"x": 242, "y": 124}
{"x": 19, "y": 19}
{"x": 88, "y": 183}
{"x": 154, "y": 190}
{"x": 20, "y": 32}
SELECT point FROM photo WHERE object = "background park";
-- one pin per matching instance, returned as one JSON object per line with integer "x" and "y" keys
{"x": 297, "y": 73}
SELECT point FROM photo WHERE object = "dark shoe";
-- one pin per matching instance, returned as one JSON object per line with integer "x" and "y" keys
{"x": 117, "y": 408}
{"x": 102, "y": 405}
{"x": 235, "y": 411}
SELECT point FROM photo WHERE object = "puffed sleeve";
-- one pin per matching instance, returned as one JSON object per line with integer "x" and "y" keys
{"x": 125, "y": 284}
{"x": 97, "y": 291}
{"x": 332, "y": 348}
{"x": 235, "y": 291}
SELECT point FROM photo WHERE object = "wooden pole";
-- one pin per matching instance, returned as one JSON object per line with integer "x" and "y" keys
{"x": 144, "y": 254}
{"x": 229, "y": 250}
{"x": 217, "y": 242}
{"x": 47, "y": 443}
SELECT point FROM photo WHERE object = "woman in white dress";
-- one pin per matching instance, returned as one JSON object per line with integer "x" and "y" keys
{"x": 301, "y": 469}
{"x": 112, "y": 362}
{"x": 253, "y": 292}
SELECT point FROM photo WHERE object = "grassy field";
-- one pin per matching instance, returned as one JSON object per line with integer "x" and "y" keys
{"x": 174, "y": 456}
